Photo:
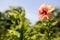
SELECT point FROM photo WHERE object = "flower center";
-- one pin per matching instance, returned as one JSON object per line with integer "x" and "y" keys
{"x": 44, "y": 12}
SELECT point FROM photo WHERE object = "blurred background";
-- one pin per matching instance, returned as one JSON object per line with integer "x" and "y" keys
{"x": 31, "y": 6}
{"x": 19, "y": 20}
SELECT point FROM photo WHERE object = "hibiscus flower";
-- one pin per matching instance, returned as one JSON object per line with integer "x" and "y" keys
{"x": 45, "y": 12}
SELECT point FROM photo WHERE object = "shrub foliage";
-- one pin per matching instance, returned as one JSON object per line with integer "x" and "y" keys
{"x": 15, "y": 26}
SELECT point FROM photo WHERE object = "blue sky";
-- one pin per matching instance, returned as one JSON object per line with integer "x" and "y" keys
{"x": 31, "y": 6}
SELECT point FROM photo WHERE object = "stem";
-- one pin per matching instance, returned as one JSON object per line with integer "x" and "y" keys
{"x": 22, "y": 31}
{"x": 21, "y": 35}
{"x": 48, "y": 35}
{"x": 49, "y": 31}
